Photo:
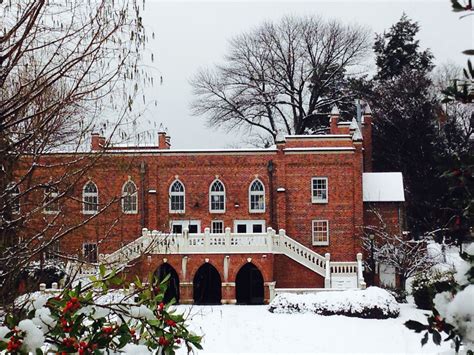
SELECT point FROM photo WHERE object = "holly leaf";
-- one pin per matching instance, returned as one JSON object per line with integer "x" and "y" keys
{"x": 416, "y": 326}
{"x": 436, "y": 337}
{"x": 425, "y": 339}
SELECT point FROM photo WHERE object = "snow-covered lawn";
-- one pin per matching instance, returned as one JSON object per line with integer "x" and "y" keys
{"x": 244, "y": 329}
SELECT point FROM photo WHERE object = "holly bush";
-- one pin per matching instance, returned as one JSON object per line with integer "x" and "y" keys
{"x": 93, "y": 318}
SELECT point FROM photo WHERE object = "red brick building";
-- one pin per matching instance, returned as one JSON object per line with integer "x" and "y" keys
{"x": 230, "y": 225}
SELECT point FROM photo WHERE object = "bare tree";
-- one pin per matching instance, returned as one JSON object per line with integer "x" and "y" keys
{"x": 280, "y": 76}
{"x": 67, "y": 67}
{"x": 407, "y": 256}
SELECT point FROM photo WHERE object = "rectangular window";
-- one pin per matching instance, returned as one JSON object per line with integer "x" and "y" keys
{"x": 52, "y": 251}
{"x": 177, "y": 203}
{"x": 177, "y": 229}
{"x": 50, "y": 202}
{"x": 217, "y": 227}
{"x": 319, "y": 190}
{"x": 320, "y": 232}
{"x": 193, "y": 228}
{"x": 90, "y": 252}
{"x": 257, "y": 228}
{"x": 241, "y": 228}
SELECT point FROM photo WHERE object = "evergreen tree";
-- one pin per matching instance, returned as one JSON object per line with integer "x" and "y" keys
{"x": 398, "y": 50}
{"x": 406, "y": 125}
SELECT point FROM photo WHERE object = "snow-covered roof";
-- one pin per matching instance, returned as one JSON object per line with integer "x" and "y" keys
{"x": 383, "y": 187}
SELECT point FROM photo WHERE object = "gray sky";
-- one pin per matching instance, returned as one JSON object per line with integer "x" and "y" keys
{"x": 194, "y": 34}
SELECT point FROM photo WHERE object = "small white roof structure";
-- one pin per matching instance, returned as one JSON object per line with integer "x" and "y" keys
{"x": 335, "y": 111}
{"x": 383, "y": 187}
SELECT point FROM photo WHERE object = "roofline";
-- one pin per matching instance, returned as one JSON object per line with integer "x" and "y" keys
{"x": 319, "y": 136}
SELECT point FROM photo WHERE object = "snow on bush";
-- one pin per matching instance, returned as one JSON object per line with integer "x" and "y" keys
{"x": 373, "y": 302}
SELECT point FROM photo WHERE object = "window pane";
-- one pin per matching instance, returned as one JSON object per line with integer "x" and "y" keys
{"x": 193, "y": 228}
{"x": 241, "y": 228}
{"x": 217, "y": 227}
{"x": 257, "y": 228}
{"x": 177, "y": 228}
{"x": 90, "y": 252}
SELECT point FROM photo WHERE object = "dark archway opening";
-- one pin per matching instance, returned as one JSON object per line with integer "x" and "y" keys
{"x": 207, "y": 285}
{"x": 173, "y": 284}
{"x": 249, "y": 285}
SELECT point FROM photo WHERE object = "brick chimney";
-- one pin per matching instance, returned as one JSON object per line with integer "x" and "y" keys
{"x": 164, "y": 141}
{"x": 333, "y": 120}
{"x": 97, "y": 142}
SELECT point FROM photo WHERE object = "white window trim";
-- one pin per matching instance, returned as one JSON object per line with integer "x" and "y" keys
{"x": 89, "y": 194}
{"x": 14, "y": 196}
{"x": 177, "y": 194}
{"x": 313, "y": 199}
{"x": 52, "y": 195}
{"x": 218, "y": 193}
{"x": 135, "y": 211}
{"x": 185, "y": 224}
{"x": 251, "y": 210}
{"x": 249, "y": 223}
{"x": 318, "y": 243}
{"x": 223, "y": 226}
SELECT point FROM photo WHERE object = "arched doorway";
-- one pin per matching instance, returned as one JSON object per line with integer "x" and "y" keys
{"x": 249, "y": 285}
{"x": 207, "y": 285}
{"x": 173, "y": 284}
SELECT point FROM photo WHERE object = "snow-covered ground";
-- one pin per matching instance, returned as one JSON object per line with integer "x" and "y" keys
{"x": 252, "y": 329}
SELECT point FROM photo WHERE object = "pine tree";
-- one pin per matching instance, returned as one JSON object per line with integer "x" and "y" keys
{"x": 406, "y": 126}
{"x": 398, "y": 50}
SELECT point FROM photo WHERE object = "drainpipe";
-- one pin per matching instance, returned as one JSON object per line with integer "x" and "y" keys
{"x": 270, "y": 169}
{"x": 142, "y": 194}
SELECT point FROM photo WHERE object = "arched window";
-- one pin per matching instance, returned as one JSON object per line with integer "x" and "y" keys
{"x": 217, "y": 197}
{"x": 177, "y": 195}
{"x": 129, "y": 198}
{"x": 14, "y": 198}
{"x": 90, "y": 198}
{"x": 256, "y": 196}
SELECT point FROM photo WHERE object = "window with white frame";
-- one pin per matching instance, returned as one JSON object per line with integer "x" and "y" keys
{"x": 319, "y": 190}
{"x": 256, "y": 196}
{"x": 320, "y": 232}
{"x": 177, "y": 197}
{"x": 90, "y": 198}
{"x": 217, "y": 197}
{"x": 89, "y": 251}
{"x": 129, "y": 198}
{"x": 217, "y": 227}
{"x": 50, "y": 201}
{"x": 52, "y": 251}
{"x": 14, "y": 198}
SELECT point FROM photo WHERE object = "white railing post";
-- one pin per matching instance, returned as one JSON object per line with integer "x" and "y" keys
{"x": 227, "y": 238}
{"x": 360, "y": 275}
{"x": 327, "y": 278}
{"x": 144, "y": 232}
{"x": 207, "y": 236}
{"x": 282, "y": 233}
{"x": 269, "y": 238}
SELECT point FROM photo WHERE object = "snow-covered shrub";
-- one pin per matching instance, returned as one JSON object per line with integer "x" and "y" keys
{"x": 373, "y": 302}
{"x": 91, "y": 319}
{"x": 399, "y": 294}
{"x": 453, "y": 311}
{"x": 427, "y": 284}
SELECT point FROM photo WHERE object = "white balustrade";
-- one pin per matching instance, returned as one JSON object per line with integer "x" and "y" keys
{"x": 155, "y": 242}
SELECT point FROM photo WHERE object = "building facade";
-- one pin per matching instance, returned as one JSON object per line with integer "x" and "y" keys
{"x": 230, "y": 225}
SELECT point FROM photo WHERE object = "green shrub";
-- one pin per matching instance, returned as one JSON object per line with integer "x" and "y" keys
{"x": 426, "y": 285}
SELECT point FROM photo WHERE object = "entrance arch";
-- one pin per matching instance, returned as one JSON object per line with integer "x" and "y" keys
{"x": 207, "y": 285}
{"x": 249, "y": 285}
{"x": 173, "y": 284}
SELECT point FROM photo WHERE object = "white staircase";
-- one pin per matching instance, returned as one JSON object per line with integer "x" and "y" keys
{"x": 336, "y": 274}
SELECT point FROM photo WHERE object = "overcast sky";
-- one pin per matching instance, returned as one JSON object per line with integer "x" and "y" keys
{"x": 194, "y": 34}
